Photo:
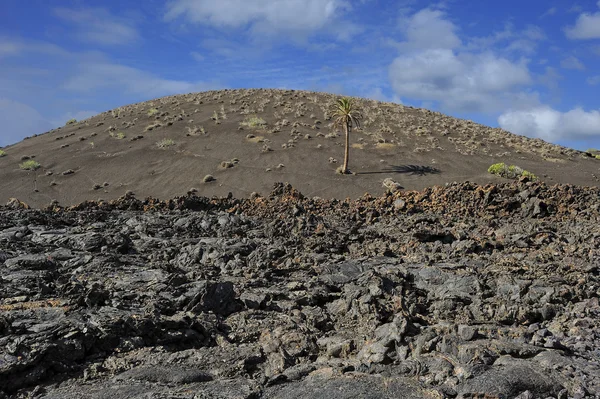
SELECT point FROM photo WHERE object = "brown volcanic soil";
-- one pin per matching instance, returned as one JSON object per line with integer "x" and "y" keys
{"x": 415, "y": 147}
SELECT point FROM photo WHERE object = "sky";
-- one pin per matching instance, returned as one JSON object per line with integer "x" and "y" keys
{"x": 531, "y": 67}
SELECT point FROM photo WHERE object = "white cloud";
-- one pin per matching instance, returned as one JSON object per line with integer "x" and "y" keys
{"x": 572, "y": 62}
{"x": 378, "y": 94}
{"x": 97, "y": 25}
{"x": 549, "y": 124}
{"x": 550, "y": 11}
{"x": 297, "y": 18}
{"x": 128, "y": 80}
{"x": 20, "y": 120}
{"x": 459, "y": 82}
{"x": 587, "y": 26}
{"x": 428, "y": 29}
{"x": 434, "y": 66}
{"x": 508, "y": 40}
{"x": 593, "y": 80}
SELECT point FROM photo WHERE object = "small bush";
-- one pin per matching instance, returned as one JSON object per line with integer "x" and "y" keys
{"x": 152, "y": 126}
{"x": 152, "y": 111}
{"x": 2, "y": 153}
{"x": 118, "y": 136}
{"x": 595, "y": 156}
{"x": 208, "y": 178}
{"x": 165, "y": 143}
{"x": 510, "y": 172}
{"x": 71, "y": 121}
{"x": 30, "y": 165}
{"x": 254, "y": 122}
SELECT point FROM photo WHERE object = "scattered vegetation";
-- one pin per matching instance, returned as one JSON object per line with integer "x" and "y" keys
{"x": 118, "y": 136}
{"x": 152, "y": 126}
{"x": 254, "y": 122}
{"x": 510, "y": 172}
{"x": 195, "y": 131}
{"x": 152, "y": 111}
{"x": 208, "y": 178}
{"x": 71, "y": 121}
{"x": 2, "y": 153}
{"x": 30, "y": 165}
{"x": 165, "y": 143}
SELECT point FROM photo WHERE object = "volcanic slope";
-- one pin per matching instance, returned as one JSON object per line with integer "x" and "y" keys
{"x": 248, "y": 139}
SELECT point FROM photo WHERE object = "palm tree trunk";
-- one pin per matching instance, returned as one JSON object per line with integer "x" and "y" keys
{"x": 346, "y": 149}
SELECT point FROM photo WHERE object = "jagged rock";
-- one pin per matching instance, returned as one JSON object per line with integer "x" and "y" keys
{"x": 450, "y": 292}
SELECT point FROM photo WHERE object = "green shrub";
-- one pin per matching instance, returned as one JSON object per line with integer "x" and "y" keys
{"x": 510, "y": 171}
{"x": 2, "y": 153}
{"x": 254, "y": 121}
{"x": 152, "y": 111}
{"x": 30, "y": 165}
{"x": 118, "y": 136}
{"x": 595, "y": 156}
{"x": 165, "y": 143}
{"x": 71, "y": 121}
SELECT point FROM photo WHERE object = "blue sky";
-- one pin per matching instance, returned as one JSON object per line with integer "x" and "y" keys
{"x": 531, "y": 67}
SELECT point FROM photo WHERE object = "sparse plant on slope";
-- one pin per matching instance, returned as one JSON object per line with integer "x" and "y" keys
{"x": 254, "y": 122}
{"x": 510, "y": 172}
{"x": 71, "y": 121}
{"x": 165, "y": 143}
{"x": 152, "y": 111}
{"x": 2, "y": 153}
{"x": 345, "y": 114}
{"x": 30, "y": 165}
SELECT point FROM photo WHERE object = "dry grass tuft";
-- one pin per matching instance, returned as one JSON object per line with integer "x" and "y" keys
{"x": 165, "y": 143}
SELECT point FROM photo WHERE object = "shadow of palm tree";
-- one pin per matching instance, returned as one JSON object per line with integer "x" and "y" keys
{"x": 420, "y": 170}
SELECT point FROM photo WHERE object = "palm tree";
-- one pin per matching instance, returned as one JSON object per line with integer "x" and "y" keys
{"x": 347, "y": 115}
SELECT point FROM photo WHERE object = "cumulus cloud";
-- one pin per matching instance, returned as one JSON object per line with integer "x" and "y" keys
{"x": 378, "y": 94}
{"x": 98, "y": 25}
{"x": 587, "y": 26}
{"x": 428, "y": 29}
{"x": 460, "y": 82}
{"x": 297, "y": 18}
{"x": 434, "y": 66}
{"x": 20, "y": 120}
{"x": 549, "y": 124}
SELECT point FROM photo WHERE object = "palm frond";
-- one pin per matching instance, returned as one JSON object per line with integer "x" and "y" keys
{"x": 344, "y": 112}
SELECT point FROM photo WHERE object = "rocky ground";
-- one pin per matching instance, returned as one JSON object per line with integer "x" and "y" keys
{"x": 461, "y": 291}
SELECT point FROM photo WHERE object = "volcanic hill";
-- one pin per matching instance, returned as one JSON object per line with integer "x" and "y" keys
{"x": 248, "y": 139}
